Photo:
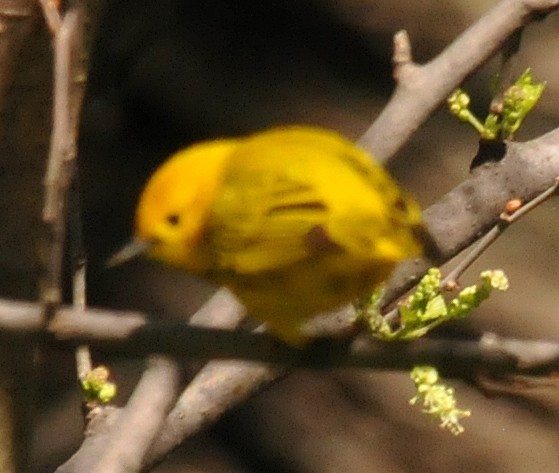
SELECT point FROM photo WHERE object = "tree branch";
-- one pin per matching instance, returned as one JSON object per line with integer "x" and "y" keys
{"x": 128, "y": 333}
{"x": 68, "y": 93}
{"x": 421, "y": 88}
{"x": 468, "y": 211}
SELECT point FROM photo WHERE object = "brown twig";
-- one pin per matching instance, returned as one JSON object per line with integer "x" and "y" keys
{"x": 84, "y": 363}
{"x": 51, "y": 14}
{"x": 60, "y": 168}
{"x": 421, "y": 88}
{"x": 131, "y": 334}
{"x": 492, "y": 235}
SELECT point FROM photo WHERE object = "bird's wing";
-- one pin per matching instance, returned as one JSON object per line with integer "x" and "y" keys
{"x": 298, "y": 193}
{"x": 264, "y": 221}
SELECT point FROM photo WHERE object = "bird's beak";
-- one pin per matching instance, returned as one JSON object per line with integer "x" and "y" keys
{"x": 131, "y": 250}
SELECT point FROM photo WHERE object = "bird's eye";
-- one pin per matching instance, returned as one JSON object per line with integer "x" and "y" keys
{"x": 173, "y": 219}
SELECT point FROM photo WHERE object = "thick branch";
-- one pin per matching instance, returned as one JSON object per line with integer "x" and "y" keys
{"x": 467, "y": 212}
{"x": 131, "y": 334}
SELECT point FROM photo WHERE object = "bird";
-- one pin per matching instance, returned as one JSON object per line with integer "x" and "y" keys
{"x": 295, "y": 220}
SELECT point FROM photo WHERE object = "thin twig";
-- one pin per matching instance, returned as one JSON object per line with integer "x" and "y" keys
{"x": 492, "y": 235}
{"x": 52, "y": 15}
{"x": 130, "y": 333}
{"x": 60, "y": 167}
{"x": 402, "y": 53}
{"x": 83, "y": 354}
{"x": 78, "y": 259}
{"x": 528, "y": 207}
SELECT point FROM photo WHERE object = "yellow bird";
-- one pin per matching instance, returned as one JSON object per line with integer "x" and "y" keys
{"x": 295, "y": 220}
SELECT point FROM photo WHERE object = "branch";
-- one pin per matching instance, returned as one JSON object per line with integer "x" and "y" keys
{"x": 421, "y": 89}
{"x": 129, "y": 333}
{"x": 140, "y": 422}
{"x": 468, "y": 211}
{"x": 68, "y": 92}
{"x": 219, "y": 387}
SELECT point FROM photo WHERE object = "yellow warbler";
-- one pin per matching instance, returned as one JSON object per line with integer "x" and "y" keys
{"x": 295, "y": 220}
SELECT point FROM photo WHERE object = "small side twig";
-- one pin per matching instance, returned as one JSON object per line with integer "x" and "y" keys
{"x": 402, "y": 53}
{"x": 51, "y": 14}
{"x": 83, "y": 354}
{"x": 506, "y": 220}
{"x": 84, "y": 364}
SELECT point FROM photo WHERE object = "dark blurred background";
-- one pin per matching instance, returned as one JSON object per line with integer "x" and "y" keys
{"x": 167, "y": 73}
